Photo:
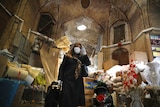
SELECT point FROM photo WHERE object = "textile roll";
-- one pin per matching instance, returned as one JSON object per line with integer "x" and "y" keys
{"x": 32, "y": 70}
{"x": 29, "y": 79}
{"x": 25, "y": 66}
{"x": 14, "y": 72}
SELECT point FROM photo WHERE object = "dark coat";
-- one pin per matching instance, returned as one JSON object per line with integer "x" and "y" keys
{"x": 72, "y": 89}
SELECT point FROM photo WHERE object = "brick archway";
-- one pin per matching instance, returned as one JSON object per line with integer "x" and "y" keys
{"x": 121, "y": 55}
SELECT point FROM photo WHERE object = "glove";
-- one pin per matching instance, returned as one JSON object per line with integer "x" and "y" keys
{"x": 60, "y": 84}
{"x": 83, "y": 50}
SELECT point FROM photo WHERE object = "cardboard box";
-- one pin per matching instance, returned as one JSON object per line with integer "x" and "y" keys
{"x": 88, "y": 100}
{"x": 88, "y": 79}
{"x": 63, "y": 42}
{"x": 139, "y": 57}
{"x": 88, "y": 91}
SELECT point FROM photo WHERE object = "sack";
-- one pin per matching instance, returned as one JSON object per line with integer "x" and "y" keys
{"x": 84, "y": 70}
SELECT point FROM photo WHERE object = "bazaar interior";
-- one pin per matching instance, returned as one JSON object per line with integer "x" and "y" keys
{"x": 121, "y": 37}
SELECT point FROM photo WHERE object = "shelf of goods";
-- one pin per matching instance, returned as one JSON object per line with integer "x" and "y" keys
{"x": 155, "y": 45}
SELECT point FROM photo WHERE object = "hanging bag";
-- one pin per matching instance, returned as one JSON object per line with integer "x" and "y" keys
{"x": 53, "y": 95}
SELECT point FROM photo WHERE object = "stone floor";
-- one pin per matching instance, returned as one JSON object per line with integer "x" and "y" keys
{"x": 29, "y": 105}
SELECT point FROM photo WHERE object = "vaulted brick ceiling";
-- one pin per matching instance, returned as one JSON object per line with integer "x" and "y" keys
{"x": 70, "y": 13}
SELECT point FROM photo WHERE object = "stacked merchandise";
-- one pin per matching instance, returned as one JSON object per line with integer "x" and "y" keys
{"x": 89, "y": 90}
{"x": 9, "y": 86}
{"x": 136, "y": 75}
{"x": 34, "y": 91}
{"x": 24, "y": 72}
{"x": 14, "y": 74}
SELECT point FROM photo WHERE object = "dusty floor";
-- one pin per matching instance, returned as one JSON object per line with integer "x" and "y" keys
{"x": 30, "y": 105}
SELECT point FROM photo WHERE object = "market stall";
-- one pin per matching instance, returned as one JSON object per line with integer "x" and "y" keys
{"x": 137, "y": 80}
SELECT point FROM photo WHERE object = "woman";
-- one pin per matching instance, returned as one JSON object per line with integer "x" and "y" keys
{"x": 72, "y": 77}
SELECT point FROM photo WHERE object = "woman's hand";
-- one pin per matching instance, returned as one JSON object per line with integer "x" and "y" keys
{"x": 83, "y": 50}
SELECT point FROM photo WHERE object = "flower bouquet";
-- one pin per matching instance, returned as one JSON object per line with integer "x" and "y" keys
{"x": 131, "y": 85}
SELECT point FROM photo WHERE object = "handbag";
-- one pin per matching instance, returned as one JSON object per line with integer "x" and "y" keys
{"x": 53, "y": 95}
{"x": 84, "y": 70}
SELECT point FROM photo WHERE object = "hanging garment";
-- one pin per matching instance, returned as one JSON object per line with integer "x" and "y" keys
{"x": 49, "y": 58}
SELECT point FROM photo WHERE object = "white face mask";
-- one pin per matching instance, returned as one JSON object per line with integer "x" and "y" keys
{"x": 77, "y": 50}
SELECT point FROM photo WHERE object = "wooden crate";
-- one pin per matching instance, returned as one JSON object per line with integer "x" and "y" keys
{"x": 88, "y": 99}
{"x": 88, "y": 79}
{"x": 88, "y": 92}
